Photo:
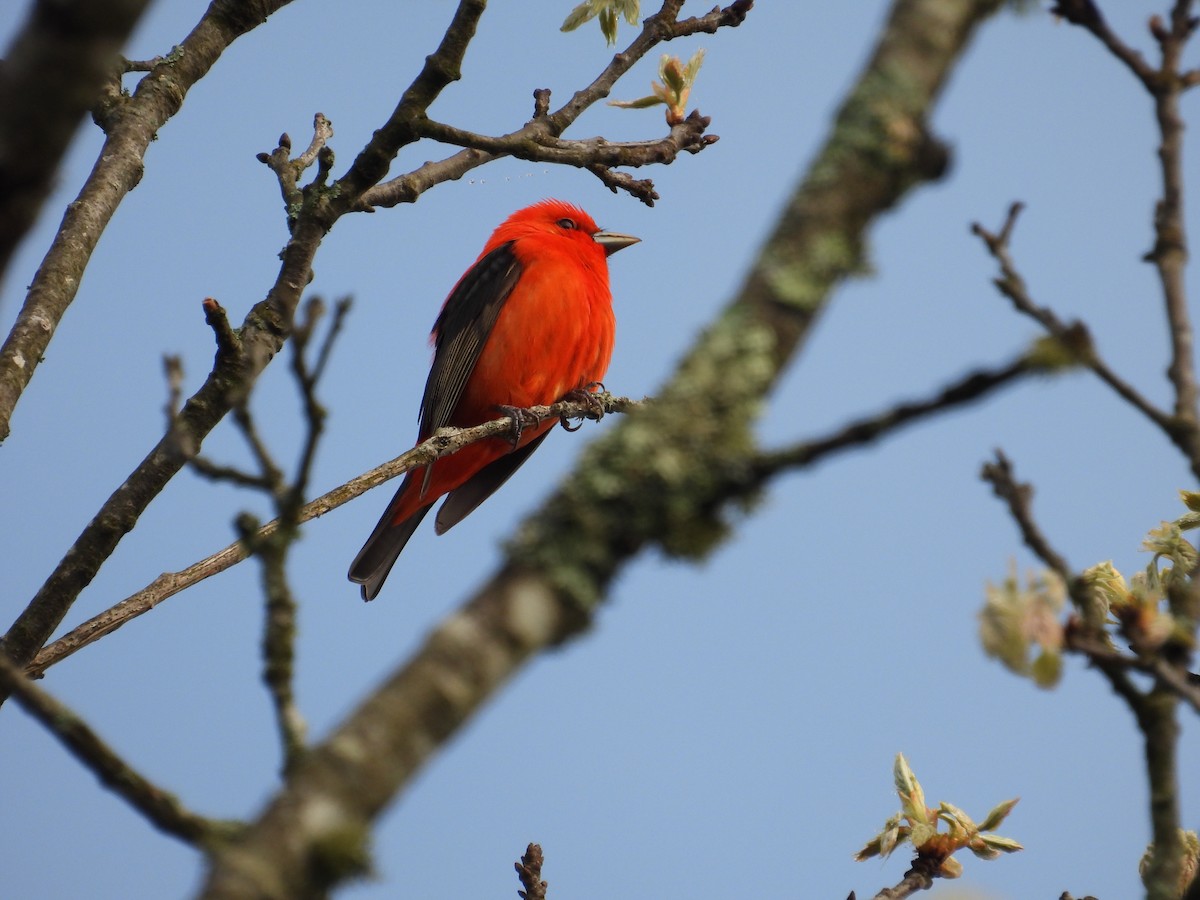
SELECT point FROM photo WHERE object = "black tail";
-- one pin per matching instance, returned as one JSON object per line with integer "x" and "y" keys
{"x": 370, "y": 568}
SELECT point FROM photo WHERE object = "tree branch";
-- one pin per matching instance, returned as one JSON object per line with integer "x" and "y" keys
{"x": 1100, "y": 652}
{"x": 650, "y": 479}
{"x": 1073, "y": 335}
{"x": 594, "y": 154}
{"x": 130, "y": 124}
{"x": 860, "y": 432}
{"x": 1169, "y": 254}
{"x": 443, "y": 443}
{"x": 269, "y": 322}
{"x": 159, "y": 807}
{"x": 1017, "y": 496}
{"x": 1155, "y": 709}
{"x": 545, "y": 127}
{"x": 53, "y": 74}
{"x": 918, "y": 878}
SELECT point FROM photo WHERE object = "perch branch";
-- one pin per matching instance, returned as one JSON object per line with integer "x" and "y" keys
{"x": 443, "y": 443}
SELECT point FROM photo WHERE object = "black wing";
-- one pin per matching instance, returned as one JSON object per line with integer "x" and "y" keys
{"x": 462, "y": 501}
{"x": 462, "y": 328}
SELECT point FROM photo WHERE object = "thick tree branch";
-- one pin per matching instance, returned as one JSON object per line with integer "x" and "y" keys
{"x": 130, "y": 124}
{"x": 159, "y": 807}
{"x": 649, "y": 480}
{"x": 52, "y": 75}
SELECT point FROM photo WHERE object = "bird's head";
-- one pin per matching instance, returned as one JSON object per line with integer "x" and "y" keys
{"x": 559, "y": 220}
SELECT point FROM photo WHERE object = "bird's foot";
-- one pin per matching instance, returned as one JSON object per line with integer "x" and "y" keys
{"x": 521, "y": 419}
{"x": 585, "y": 394}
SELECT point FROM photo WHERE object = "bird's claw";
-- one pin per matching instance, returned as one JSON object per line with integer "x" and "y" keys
{"x": 521, "y": 419}
{"x": 585, "y": 394}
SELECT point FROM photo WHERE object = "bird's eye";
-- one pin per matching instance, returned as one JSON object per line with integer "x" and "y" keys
{"x": 568, "y": 224}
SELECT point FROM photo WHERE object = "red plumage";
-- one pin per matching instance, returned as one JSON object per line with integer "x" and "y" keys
{"x": 529, "y": 322}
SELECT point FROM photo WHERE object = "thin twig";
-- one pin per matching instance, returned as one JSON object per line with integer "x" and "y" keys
{"x": 919, "y": 877}
{"x": 1169, "y": 254}
{"x": 1086, "y": 14}
{"x": 1165, "y": 84}
{"x": 272, "y": 549}
{"x": 972, "y": 387}
{"x": 442, "y": 443}
{"x": 160, "y": 808}
{"x": 279, "y": 636}
{"x": 536, "y": 144}
{"x": 548, "y": 126}
{"x": 529, "y": 871}
{"x": 1175, "y": 679}
{"x": 1018, "y": 496}
{"x": 1071, "y": 334}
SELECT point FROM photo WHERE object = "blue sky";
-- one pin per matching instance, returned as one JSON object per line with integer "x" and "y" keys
{"x": 724, "y": 727}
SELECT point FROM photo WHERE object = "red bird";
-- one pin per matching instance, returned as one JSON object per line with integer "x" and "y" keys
{"x": 530, "y": 322}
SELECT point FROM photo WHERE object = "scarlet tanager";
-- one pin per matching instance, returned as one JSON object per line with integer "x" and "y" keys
{"x": 529, "y": 323}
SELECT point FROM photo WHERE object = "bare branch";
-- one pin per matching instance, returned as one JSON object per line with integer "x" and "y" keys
{"x": 646, "y": 480}
{"x": 1071, "y": 334}
{"x": 1169, "y": 254}
{"x": 443, "y": 443}
{"x": 159, "y": 807}
{"x": 918, "y": 878}
{"x": 1165, "y": 84}
{"x": 1017, "y": 496}
{"x": 594, "y": 154}
{"x": 288, "y": 171}
{"x": 131, "y": 124}
{"x": 860, "y": 432}
{"x": 1086, "y": 14}
{"x": 536, "y": 139}
{"x": 53, "y": 74}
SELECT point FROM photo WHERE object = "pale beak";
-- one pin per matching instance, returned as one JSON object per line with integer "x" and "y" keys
{"x": 612, "y": 242}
